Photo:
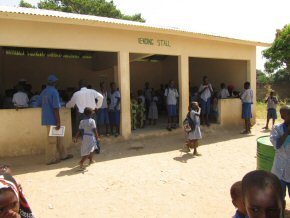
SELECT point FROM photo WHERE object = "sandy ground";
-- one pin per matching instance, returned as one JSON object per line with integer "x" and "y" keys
{"x": 155, "y": 181}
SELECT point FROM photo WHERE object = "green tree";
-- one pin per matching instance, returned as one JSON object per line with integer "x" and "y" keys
{"x": 24, "y": 4}
{"x": 90, "y": 7}
{"x": 278, "y": 55}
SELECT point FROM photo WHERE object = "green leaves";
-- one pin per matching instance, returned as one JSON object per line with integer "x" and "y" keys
{"x": 101, "y": 8}
{"x": 278, "y": 55}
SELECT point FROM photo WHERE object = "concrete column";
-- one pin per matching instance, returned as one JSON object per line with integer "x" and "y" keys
{"x": 124, "y": 85}
{"x": 1, "y": 71}
{"x": 251, "y": 77}
{"x": 183, "y": 81}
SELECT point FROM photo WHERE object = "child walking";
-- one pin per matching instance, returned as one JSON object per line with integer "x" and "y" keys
{"x": 247, "y": 100}
{"x": 88, "y": 130}
{"x": 272, "y": 102}
{"x": 195, "y": 134}
{"x": 280, "y": 138}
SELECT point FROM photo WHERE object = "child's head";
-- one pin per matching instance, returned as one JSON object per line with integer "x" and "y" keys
{"x": 285, "y": 113}
{"x": 272, "y": 93}
{"x": 247, "y": 85}
{"x": 113, "y": 86}
{"x": 205, "y": 80}
{"x": 262, "y": 194}
{"x": 194, "y": 105}
{"x": 102, "y": 85}
{"x": 5, "y": 169}
{"x": 88, "y": 111}
{"x": 223, "y": 85}
{"x": 171, "y": 84}
{"x": 237, "y": 197}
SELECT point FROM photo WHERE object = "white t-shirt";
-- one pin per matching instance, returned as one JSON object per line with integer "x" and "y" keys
{"x": 114, "y": 100}
{"x": 105, "y": 103}
{"x": 172, "y": 95}
{"x": 206, "y": 94}
{"x": 224, "y": 93}
{"x": 272, "y": 103}
{"x": 247, "y": 96}
{"x": 20, "y": 99}
{"x": 85, "y": 98}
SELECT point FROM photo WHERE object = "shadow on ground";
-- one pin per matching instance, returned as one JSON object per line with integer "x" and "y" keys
{"x": 112, "y": 150}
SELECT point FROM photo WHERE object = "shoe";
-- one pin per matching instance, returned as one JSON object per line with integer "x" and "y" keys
{"x": 69, "y": 156}
{"x": 97, "y": 151}
{"x": 265, "y": 127}
{"x": 168, "y": 128}
{"x": 117, "y": 134}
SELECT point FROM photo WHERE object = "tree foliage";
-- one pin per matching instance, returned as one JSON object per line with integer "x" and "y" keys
{"x": 24, "y": 4}
{"x": 278, "y": 55}
{"x": 101, "y": 8}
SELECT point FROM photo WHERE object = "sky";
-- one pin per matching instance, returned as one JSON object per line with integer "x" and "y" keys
{"x": 255, "y": 20}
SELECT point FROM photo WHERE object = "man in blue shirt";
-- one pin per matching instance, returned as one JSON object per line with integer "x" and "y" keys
{"x": 50, "y": 103}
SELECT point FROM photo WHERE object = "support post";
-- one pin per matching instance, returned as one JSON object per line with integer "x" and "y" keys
{"x": 183, "y": 81}
{"x": 251, "y": 77}
{"x": 124, "y": 86}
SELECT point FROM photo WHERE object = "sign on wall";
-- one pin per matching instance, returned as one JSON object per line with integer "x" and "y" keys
{"x": 154, "y": 42}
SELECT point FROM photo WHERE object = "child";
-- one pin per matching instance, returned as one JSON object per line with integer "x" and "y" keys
{"x": 262, "y": 195}
{"x": 141, "y": 96}
{"x": 90, "y": 136}
{"x": 114, "y": 109}
{"x": 280, "y": 138}
{"x": 247, "y": 100}
{"x": 215, "y": 110}
{"x": 237, "y": 200}
{"x": 141, "y": 114}
{"x": 153, "y": 111}
{"x": 205, "y": 92}
{"x": 224, "y": 93}
{"x": 272, "y": 102}
{"x": 171, "y": 95}
{"x": 134, "y": 107}
{"x": 195, "y": 134}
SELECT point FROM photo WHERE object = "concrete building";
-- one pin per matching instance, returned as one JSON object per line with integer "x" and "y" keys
{"x": 35, "y": 43}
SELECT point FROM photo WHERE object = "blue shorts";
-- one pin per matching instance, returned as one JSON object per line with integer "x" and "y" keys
{"x": 114, "y": 117}
{"x": 171, "y": 110}
{"x": 247, "y": 111}
{"x": 272, "y": 113}
{"x": 205, "y": 106}
{"x": 102, "y": 116}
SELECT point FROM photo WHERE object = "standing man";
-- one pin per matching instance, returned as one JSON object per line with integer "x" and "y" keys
{"x": 205, "y": 92}
{"x": 85, "y": 98}
{"x": 171, "y": 95}
{"x": 114, "y": 109}
{"x": 103, "y": 116}
{"x": 50, "y": 103}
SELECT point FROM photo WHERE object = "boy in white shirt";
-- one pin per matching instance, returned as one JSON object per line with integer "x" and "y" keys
{"x": 114, "y": 109}
{"x": 224, "y": 93}
{"x": 272, "y": 102}
{"x": 247, "y": 100}
{"x": 171, "y": 95}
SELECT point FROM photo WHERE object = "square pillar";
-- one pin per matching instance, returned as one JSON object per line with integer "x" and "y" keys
{"x": 124, "y": 86}
{"x": 251, "y": 77}
{"x": 183, "y": 83}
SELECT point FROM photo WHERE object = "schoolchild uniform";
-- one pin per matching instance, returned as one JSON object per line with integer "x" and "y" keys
{"x": 195, "y": 134}
{"x": 153, "y": 111}
{"x": 171, "y": 95}
{"x": 103, "y": 116}
{"x": 272, "y": 107}
{"x": 247, "y": 100}
{"x": 224, "y": 93}
{"x": 89, "y": 143}
{"x": 114, "y": 113}
{"x": 205, "y": 98}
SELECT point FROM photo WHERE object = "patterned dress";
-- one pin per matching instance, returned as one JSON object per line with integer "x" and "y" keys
{"x": 89, "y": 142}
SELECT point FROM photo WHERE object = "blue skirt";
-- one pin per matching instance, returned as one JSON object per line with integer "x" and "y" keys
{"x": 247, "y": 111}
{"x": 172, "y": 111}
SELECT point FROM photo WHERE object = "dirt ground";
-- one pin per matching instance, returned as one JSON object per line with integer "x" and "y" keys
{"x": 154, "y": 181}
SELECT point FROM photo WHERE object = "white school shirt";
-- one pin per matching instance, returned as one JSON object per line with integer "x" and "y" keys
{"x": 114, "y": 100}
{"x": 271, "y": 104}
{"x": 224, "y": 93}
{"x": 247, "y": 96}
{"x": 171, "y": 94}
{"x": 20, "y": 99}
{"x": 281, "y": 165}
{"x": 206, "y": 93}
{"x": 105, "y": 103}
{"x": 142, "y": 99}
{"x": 85, "y": 98}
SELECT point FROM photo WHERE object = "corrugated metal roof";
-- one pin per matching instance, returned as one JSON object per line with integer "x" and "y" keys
{"x": 49, "y": 13}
